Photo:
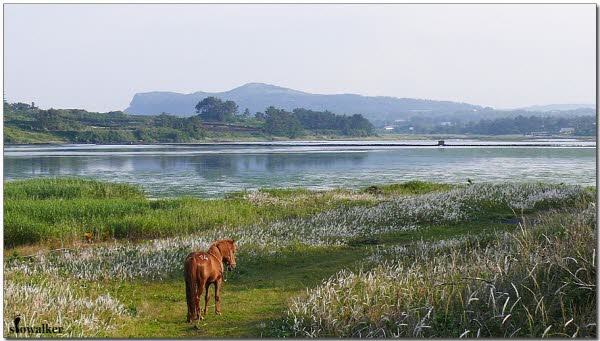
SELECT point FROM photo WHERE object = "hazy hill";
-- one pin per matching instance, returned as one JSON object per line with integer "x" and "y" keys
{"x": 559, "y": 107}
{"x": 258, "y": 96}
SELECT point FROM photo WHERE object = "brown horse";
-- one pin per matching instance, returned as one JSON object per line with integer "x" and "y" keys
{"x": 201, "y": 269}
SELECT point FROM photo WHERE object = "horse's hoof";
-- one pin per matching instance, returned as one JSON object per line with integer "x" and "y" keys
{"x": 201, "y": 318}
{"x": 218, "y": 313}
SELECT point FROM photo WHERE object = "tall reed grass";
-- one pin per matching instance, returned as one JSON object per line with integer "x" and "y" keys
{"x": 69, "y": 188}
{"x": 161, "y": 257}
{"x": 81, "y": 309}
{"x": 61, "y": 211}
{"x": 539, "y": 281}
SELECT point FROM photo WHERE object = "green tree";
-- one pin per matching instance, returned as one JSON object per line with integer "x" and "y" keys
{"x": 326, "y": 121}
{"x": 54, "y": 120}
{"x": 281, "y": 123}
{"x": 214, "y": 109}
{"x": 194, "y": 128}
{"x": 260, "y": 116}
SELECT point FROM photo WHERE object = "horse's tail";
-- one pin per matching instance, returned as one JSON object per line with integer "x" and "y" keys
{"x": 190, "y": 288}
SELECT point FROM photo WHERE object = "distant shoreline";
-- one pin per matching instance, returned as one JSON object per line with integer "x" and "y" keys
{"x": 331, "y": 145}
{"x": 394, "y": 141}
{"x": 318, "y": 144}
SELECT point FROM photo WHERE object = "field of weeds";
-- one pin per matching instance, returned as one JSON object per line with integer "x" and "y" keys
{"x": 406, "y": 260}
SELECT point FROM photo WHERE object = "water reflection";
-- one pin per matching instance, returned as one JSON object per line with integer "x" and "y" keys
{"x": 212, "y": 171}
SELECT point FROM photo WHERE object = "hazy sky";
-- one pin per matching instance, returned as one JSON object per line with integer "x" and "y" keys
{"x": 98, "y": 56}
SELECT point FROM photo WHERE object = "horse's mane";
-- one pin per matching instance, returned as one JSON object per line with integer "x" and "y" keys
{"x": 225, "y": 243}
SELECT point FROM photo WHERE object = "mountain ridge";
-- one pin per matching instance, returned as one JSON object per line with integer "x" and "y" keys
{"x": 257, "y": 96}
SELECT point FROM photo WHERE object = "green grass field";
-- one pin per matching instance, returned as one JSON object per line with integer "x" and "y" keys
{"x": 302, "y": 254}
{"x": 257, "y": 295}
{"x": 61, "y": 211}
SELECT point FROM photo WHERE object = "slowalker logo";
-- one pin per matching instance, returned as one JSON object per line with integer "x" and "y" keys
{"x": 43, "y": 329}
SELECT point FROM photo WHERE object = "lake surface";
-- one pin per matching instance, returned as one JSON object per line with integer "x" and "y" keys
{"x": 212, "y": 170}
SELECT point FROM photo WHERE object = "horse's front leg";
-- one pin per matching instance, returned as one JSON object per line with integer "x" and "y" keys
{"x": 218, "y": 297}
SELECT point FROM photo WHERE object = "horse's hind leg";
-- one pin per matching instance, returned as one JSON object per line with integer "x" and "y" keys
{"x": 198, "y": 294}
{"x": 206, "y": 297}
{"x": 190, "y": 296}
{"x": 190, "y": 290}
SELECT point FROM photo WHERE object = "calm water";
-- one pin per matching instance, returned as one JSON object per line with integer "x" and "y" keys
{"x": 210, "y": 171}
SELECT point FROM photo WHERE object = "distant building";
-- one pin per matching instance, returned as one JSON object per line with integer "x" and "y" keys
{"x": 388, "y": 128}
{"x": 540, "y": 133}
{"x": 567, "y": 131}
{"x": 446, "y": 123}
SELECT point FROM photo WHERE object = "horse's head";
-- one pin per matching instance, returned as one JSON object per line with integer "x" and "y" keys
{"x": 228, "y": 253}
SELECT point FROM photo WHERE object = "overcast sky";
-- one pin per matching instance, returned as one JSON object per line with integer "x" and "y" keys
{"x": 97, "y": 57}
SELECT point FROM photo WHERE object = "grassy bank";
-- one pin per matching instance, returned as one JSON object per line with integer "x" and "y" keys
{"x": 382, "y": 261}
{"x": 61, "y": 211}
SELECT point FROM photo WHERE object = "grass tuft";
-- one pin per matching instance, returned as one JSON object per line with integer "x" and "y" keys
{"x": 69, "y": 188}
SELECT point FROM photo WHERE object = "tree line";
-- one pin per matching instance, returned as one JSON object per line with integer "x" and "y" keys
{"x": 518, "y": 125}
{"x": 279, "y": 122}
{"x": 582, "y": 125}
{"x": 81, "y": 126}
